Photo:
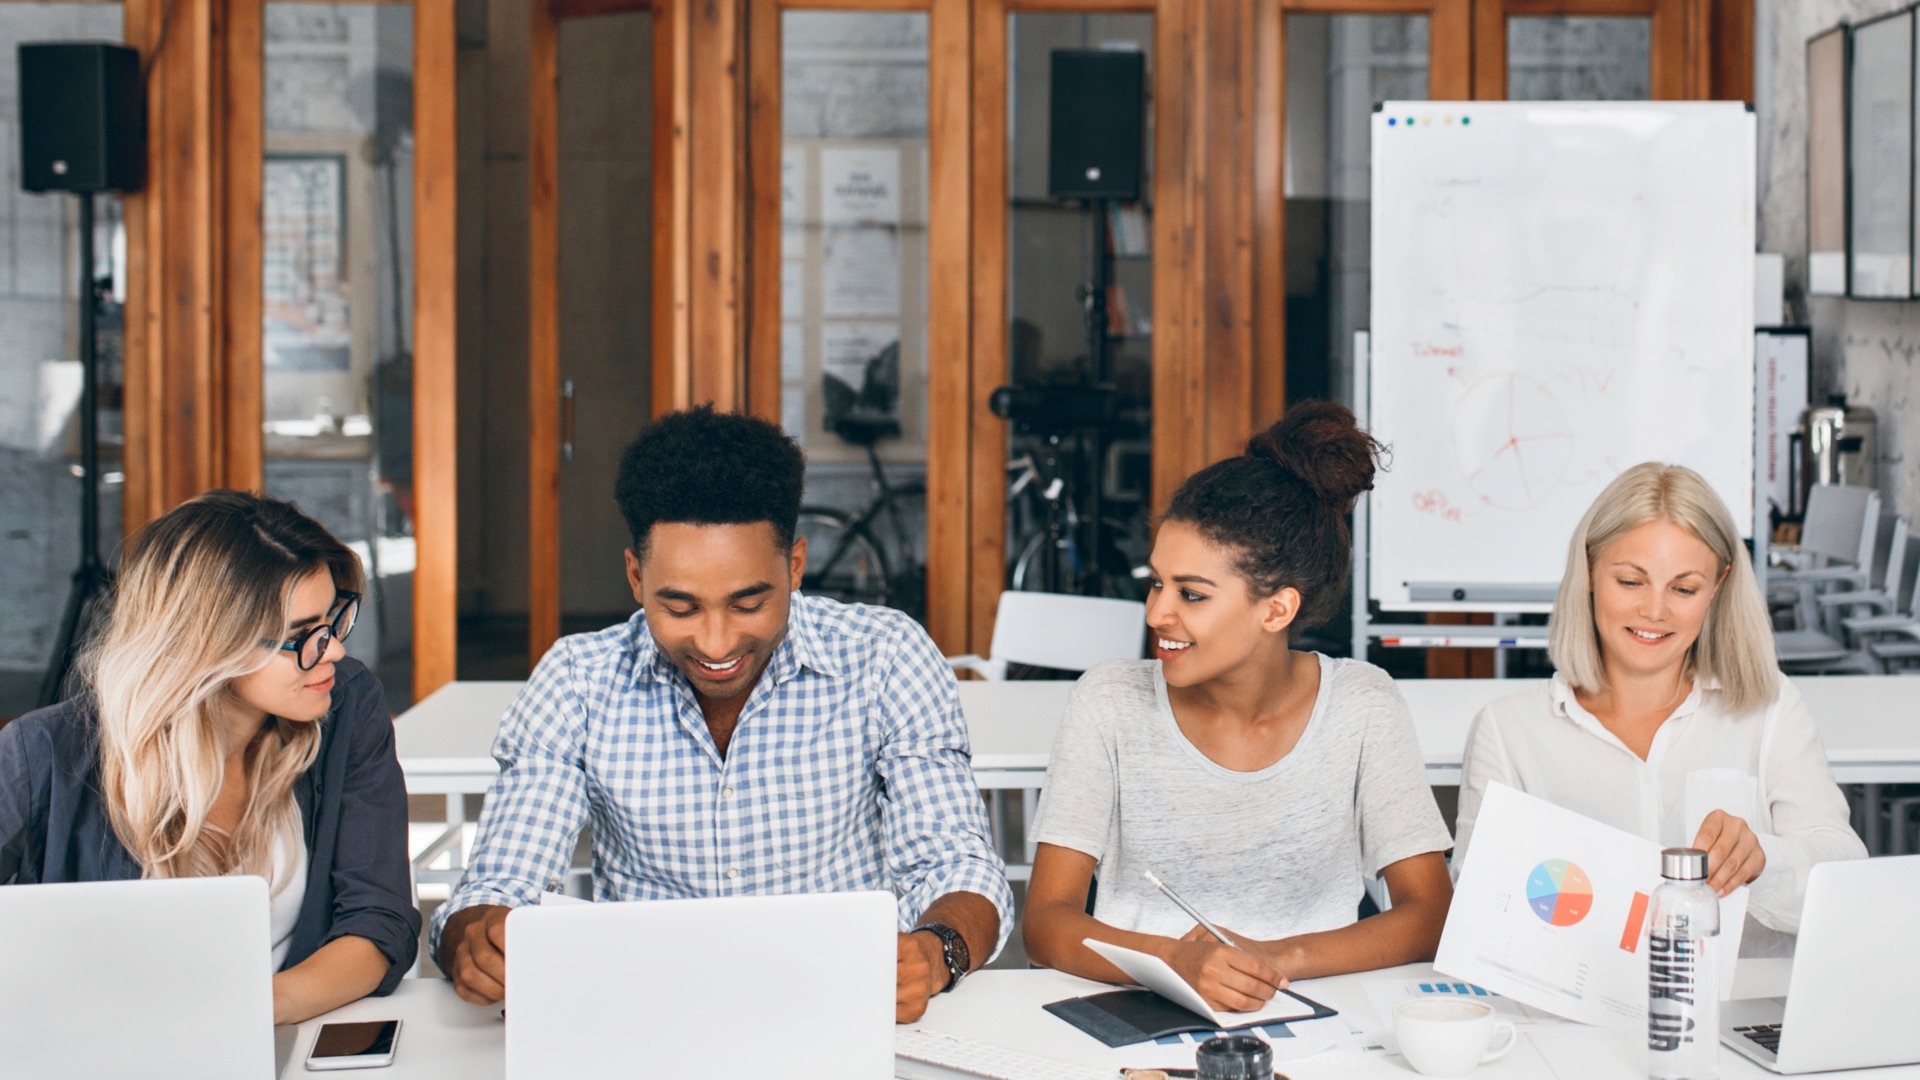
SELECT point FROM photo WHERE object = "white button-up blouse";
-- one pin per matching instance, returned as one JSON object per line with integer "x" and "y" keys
{"x": 1766, "y": 766}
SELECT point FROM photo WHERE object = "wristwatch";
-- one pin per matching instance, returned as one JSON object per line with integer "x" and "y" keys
{"x": 953, "y": 947}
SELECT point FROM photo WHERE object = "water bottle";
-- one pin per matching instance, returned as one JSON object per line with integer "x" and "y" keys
{"x": 1683, "y": 995}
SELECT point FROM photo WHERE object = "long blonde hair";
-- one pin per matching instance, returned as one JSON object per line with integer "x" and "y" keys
{"x": 201, "y": 590}
{"x": 1735, "y": 645}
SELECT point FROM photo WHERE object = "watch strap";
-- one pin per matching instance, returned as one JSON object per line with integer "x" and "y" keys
{"x": 953, "y": 949}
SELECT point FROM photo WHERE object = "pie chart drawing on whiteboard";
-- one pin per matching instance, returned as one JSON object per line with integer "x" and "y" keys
{"x": 1512, "y": 440}
{"x": 1559, "y": 892}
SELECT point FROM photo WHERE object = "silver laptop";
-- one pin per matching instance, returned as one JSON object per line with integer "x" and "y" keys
{"x": 1850, "y": 999}
{"x": 161, "y": 979}
{"x": 785, "y": 985}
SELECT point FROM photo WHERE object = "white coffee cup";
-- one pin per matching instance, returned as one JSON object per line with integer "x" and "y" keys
{"x": 1447, "y": 1036}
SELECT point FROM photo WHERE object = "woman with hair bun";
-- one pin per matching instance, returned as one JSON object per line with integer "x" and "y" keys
{"x": 223, "y": 730}
{"x": 1265, "y": 785}
{"x": 1667, "y": 715}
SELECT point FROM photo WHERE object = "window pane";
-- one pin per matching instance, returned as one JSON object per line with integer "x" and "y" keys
{"x": 1338, "y": 68}
{"x": 40, "y": 478}
{"x": 1579, "y": 58}
{"x": 853, "y": 296}
{"x": 1065, "y": 359}
{"x": 337, "y": 240}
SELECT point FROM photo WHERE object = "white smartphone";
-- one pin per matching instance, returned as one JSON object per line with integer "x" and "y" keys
{"x": 365, "y": 1045}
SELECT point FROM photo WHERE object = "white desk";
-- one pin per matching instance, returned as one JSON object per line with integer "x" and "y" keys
{"x": 445, "y": 742}
{"x": 1869, "y": 723}
{"x": 444, "y": 1037}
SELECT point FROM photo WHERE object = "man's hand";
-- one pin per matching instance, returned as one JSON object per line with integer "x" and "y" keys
{"x": 1236, "y": 980}
{"x": 1734, "y": 855}
{"x": 920, "y": 972}
{"x": 473, "y": 952}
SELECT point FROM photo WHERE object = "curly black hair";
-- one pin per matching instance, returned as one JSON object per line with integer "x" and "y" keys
{"x": 1282, "y": 505}
{"x": 702, "y": 467}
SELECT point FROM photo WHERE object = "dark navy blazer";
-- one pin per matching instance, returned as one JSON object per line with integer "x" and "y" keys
{"x": 353, "y": 804}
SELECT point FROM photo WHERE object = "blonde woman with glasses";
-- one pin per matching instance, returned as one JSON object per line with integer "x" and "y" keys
{"x": 1667, "y": 715}
{"x": 221, "y": 730}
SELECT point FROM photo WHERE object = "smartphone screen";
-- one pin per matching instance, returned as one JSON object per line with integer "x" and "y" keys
{"x": 371, "y": 1037}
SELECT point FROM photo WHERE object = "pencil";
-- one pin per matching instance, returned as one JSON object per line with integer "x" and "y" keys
{"x": 1188, "y": 908}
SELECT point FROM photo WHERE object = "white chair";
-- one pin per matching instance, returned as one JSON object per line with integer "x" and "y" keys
{"x": 1836, "y": 548}
{"x": 1837, "y": 545}
{"x": 1833, "y": 643}
{"x": 1053, "y": 630}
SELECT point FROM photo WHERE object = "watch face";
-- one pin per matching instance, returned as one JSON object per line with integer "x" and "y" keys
{"x": 953, "y": 949}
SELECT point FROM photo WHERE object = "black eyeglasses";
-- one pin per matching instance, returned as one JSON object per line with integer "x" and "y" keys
{"x": 309, "y": 645}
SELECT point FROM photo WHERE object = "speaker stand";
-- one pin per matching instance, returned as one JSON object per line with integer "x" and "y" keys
{"x": 91, "y": 579}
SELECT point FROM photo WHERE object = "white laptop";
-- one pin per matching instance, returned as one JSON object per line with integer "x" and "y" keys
{"x": 752, "y": 985}
{"x": 1850, "y": 999}
{"x": 154, "y": 979}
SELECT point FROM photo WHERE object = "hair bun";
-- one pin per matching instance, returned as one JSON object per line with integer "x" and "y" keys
{"x": 1320, "y": 444}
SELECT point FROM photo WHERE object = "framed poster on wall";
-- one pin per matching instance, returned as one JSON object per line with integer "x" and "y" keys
{"x": 305, "y": 278}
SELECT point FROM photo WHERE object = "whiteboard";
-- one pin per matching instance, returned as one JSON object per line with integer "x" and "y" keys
{"x": 1560, "y": 291}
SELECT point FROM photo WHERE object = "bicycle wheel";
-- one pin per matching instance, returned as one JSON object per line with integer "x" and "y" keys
{"x": 843, "y": 562}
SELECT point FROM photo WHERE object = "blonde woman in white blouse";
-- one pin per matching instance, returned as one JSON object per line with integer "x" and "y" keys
{"x": 1668, "y": 715}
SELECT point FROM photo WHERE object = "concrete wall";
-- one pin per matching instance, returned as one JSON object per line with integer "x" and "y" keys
{"x": 1862, "y": 348}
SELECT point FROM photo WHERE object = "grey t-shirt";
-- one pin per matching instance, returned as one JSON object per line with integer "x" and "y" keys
{"x": 1282, "y": 851}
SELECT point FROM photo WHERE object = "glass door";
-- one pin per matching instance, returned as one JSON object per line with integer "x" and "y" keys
{"x": 41, "y": 478}
{"x": 853, "y": 296}
{"x": 593, "y": 144}
{"x": 1586, "y": 50}
{"x": 337, "y": 297}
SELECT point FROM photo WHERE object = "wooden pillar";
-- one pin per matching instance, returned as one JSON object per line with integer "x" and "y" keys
{"x": 717, "y": 210}
{"x": 175, "y": 392}
{"x": 672, "y": 206}
{"x": 987, "y": 455}
{"x": 543, "y": 330}
{"x": 951, "y": 423}
{"x": 1205, "y": 391}
{"x": 436, "y": 522}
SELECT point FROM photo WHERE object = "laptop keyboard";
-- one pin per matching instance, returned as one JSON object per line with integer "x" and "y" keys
{"x": 1766, "y": 1035}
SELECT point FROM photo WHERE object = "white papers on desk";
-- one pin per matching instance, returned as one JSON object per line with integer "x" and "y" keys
{"x": 1551, "y": 910}
{"x": 1290, "y": 1041}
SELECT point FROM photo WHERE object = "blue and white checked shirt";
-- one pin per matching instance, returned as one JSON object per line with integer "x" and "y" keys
{"x": 849, "y": 769}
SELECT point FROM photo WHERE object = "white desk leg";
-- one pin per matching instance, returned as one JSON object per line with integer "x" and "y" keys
{"x": 456, "y": 817}
{"x": 1029, "y": 806}
{"x": 1870, "y": 806}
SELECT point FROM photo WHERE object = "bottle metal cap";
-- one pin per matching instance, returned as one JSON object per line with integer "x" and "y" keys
{"x": 1683, "y": 864}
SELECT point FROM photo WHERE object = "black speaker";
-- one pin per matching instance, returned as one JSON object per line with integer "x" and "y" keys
{"x": 83, "y": 117}
{"x": 1096, "y": 124}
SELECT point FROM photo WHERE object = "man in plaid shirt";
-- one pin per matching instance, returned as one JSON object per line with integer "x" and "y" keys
{"x": 735, "y": 736}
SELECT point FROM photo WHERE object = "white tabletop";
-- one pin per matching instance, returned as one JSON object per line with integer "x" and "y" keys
{"x": 1869, "y": 723}
{"x": 444, "y": 1037}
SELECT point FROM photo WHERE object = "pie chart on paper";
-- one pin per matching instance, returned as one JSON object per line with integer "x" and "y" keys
{"x": 1559, "y": 892}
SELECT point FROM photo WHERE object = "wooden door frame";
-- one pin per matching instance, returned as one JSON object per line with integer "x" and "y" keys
{"x": 1680, "y": 44}
{"x": 672, "y": 373}
{"x": 194, "y": 382}
{"x": 951, "y": 404}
